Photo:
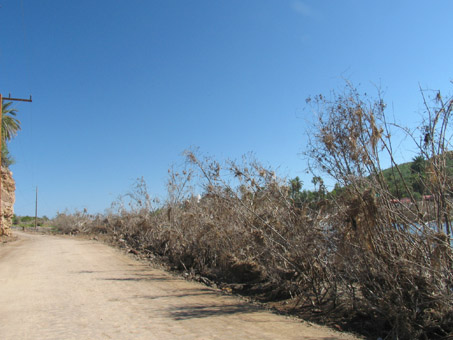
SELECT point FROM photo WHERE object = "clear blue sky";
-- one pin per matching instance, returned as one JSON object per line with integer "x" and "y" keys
{"x": 121, "y": 88}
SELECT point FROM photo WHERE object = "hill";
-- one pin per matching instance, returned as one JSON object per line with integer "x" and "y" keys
{"x": 415, "y": 174}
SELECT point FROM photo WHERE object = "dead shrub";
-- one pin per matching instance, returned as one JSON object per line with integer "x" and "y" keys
{"x": 386, "y": 251}
{"x": 72, "y": 223}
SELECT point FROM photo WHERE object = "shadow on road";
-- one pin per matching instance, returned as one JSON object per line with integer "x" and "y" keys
{"x": 139, "y": 278}
{"x": 197, "y": 311}
{"x": 182, "y": 294}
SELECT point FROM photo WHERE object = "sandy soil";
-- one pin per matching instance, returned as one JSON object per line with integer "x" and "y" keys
{"x": 65, "y": 288}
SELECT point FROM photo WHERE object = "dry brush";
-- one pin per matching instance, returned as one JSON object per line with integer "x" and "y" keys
{"x": 355, "y": 259}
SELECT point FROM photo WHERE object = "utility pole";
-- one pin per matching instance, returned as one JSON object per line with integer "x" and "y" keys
{"x": 2, "y": 230}
{"x": 36, "y": 208}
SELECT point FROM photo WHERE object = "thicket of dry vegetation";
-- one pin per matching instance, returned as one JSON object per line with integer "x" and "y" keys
{"x": 355, "y": 258}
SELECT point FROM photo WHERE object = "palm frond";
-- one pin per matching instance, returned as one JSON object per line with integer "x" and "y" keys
{"x": 10, "y": 124}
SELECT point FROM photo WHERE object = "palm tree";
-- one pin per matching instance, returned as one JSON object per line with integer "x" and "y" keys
{"x": 10, "y": 124}
{"x": 418, "y": 164}
{"x": 10, "y": 127}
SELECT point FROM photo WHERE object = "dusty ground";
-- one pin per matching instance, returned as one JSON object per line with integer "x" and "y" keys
{"x": 65, "y": 288}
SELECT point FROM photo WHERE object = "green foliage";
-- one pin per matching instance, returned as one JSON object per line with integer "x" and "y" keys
{"x": 300, "y": 197}
{"x": 415, "y": 175}
{"x": 337, "y": 191}
{"x": 295, "y": 185}
{"x": 10, "y": 127}
{"x": 396, "y": 183}
{"x": 7, "y": 159}
{"x": 10, "y": 124}
{"x": 418, "y": 165}
{"x": 29, "y": 221}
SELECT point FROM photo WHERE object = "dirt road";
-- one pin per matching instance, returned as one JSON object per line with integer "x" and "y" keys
{"x": 65, "y": 288}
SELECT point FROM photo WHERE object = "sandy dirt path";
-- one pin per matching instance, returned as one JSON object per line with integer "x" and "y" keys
{"x": 64, "y": 288}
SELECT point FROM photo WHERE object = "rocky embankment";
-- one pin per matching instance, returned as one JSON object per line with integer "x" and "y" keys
{"x": 7, "y": 201}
